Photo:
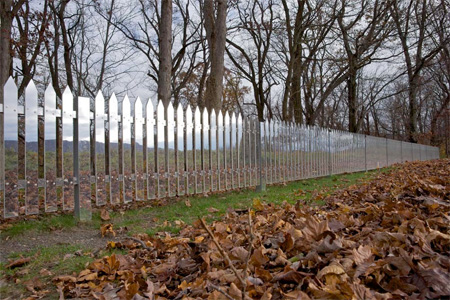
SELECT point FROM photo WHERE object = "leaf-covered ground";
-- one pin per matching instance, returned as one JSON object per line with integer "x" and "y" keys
{"x": 386, "y": 239}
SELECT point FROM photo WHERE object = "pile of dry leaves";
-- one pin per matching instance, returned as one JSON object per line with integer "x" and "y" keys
{"x": 387, "y": 239}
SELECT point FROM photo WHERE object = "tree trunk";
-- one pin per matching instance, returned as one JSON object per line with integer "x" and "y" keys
{"x": 412, "y": 116}
{"x": 295, "y": 97}
{"x": 7, "y": 12}
{"x": 165, "y": 53}
{"x": 352, "y": 101}
{"x": 215, "y": 26}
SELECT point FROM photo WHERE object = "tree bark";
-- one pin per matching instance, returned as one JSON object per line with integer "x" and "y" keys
{"x": 215, "y": 25}
{"x": 165, "y": 53}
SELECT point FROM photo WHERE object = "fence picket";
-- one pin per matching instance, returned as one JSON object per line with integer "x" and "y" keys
{"x": 52, "y": 192}
{"x": 140, "y": 152}
{"x": 114, "y": 178}
{"x": 99, "y": 164}
{"x": 173, "y": 152}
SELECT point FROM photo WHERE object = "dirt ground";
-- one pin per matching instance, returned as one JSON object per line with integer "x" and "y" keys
{"x": 81, "y": 235}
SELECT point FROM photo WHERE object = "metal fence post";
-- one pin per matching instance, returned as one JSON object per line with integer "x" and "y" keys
{"x": 262, "y": 182}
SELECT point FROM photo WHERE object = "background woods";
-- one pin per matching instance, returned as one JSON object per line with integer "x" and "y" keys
{"x": 373, "y": 67}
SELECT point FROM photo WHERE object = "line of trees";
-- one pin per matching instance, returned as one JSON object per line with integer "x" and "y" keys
{"x": 380, "y": 67}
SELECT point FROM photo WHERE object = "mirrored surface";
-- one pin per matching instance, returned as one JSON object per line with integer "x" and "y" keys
{"x": 205, "y": 153}
{"x": 160, "y": 151}
{"x": 84, "y": 161}
{"x": 10, "y": 159}
{"x": 180, "y": 156}
{"x": 150, "y": 138}
{"x": 114, "y": 158}
{"x": 127, "y": 158}
{"x": 68, "y": 116}
{"x": 190, "y": 152}
{"x": 214, "y": 153}
{"x": 198, "y": 151}
{"x": 169, "y": 152}
{"x": 100, "y": 164}
{"x": 31, "y": 150}
{"x": 50, "y": 151}
{"x": 240, "y": 151}
{"x": 140, "y": 170}
{"x": 233, "y": 152}
{"x": 221, "y": 152}
{"x": 227, "y": 151}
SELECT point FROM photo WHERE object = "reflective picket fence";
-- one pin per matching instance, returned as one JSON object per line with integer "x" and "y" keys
{"x": 57, "y": 156}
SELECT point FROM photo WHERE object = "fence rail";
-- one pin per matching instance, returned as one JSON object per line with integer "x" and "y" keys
{"x": 57, "y": 156}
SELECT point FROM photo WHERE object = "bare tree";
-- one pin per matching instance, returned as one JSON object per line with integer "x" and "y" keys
{"x": 143, "y": 27}
{"x": 256, "y": 19}
{"x": 215, "y": 14}
{"x": 363, "y": 32}
{"x": 412, "y": 19}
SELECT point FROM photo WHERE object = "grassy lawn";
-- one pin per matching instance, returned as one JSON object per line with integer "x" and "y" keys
{"x": 52, "y": 260}
{"x": 161, "y": 217}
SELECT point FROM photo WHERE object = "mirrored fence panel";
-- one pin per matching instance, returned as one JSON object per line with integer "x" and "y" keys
{"x": 214, "y": 153}
{"x": 220, "y": 153}
{"x": 150, "y": 151}
{"x": 67, "y": 152}
{"x": 84, "y": 181}
{"x": 114, "y": 177}
{"x": 150, "y": 139}
{"x": 99, "y": 163}
{"x": 139, "y": 148}
{"x": 190, "y": 153}
{"x": 31, "y": 150}
{"x": 51, "y": 113}
{"x": 197, "y": 152}
{"x": 205, "y": 151}
{"x": 170, "y": 153}
{"x": 10, "y": 161}
{"x": 161, "y": 174}
{"x": 128, "y": 162}
{"x": 227, "y": 151}
{"x": 180, "y": 158}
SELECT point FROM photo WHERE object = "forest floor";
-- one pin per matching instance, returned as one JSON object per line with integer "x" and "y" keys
{"x": 311, "y": 237}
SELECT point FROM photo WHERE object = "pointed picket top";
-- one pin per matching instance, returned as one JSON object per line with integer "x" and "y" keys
{"x": 149, "y": 111}
{"x": 10, "y": 82}
{"x": 197, "y": 116}
{"x": 138, "y": 113}
{"x": 67, "y": 102}
{"x": 113, "y": 105}
{"x": 50, "y": 102}
{"x": 31, "y": 88}
{"x": 180, "y": 112}
{"x": 99, "y": 105}
{"x": 188, "y": 115}
{"x": 31, "y": 96}
{"x": 10, "y": 92}
{"x": 170, "y": 112}
{"x": 67, "y": 92}
{"x": 160, "y": 111}
{"x": 219, "y": 119}
{"x": 126, "y": 107}
{"x": 49, "y": 91}
{"x": 180, "y": 119}
{"x": 205, "y": 117}
{"x": 213, "y": 119}
{"x": 227, "y": 118}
